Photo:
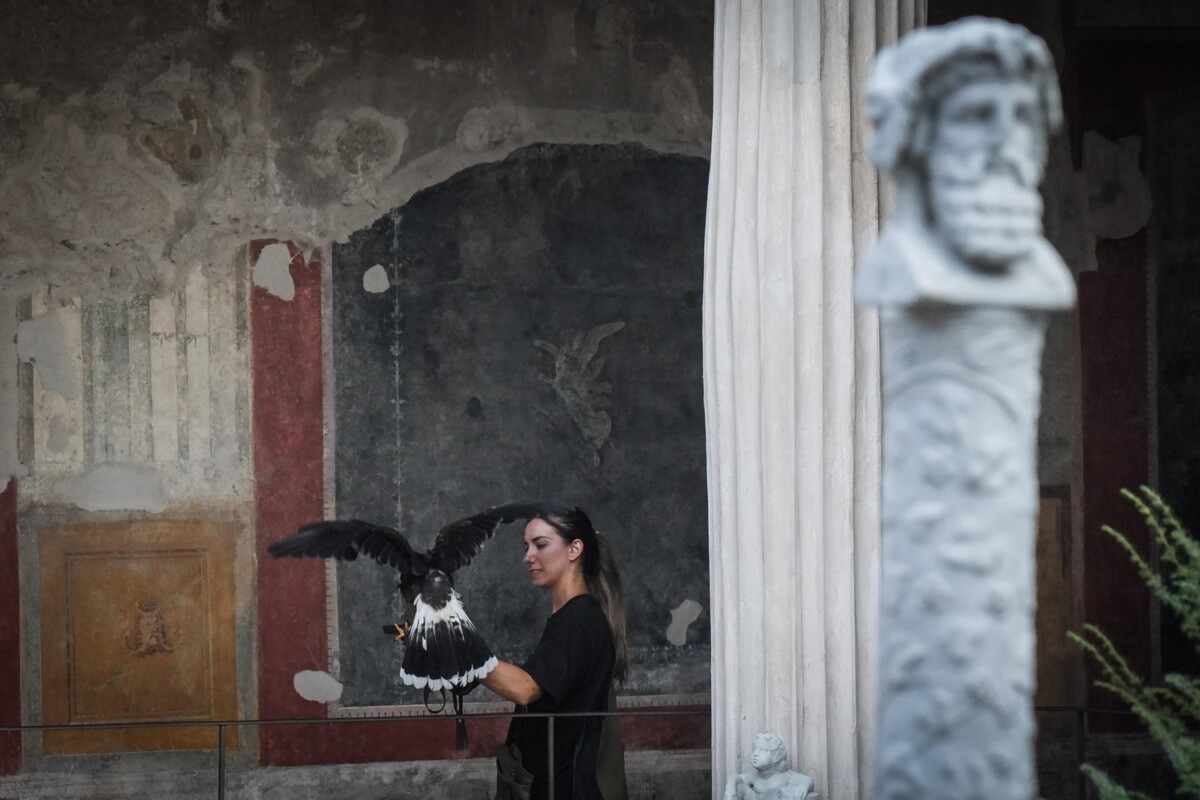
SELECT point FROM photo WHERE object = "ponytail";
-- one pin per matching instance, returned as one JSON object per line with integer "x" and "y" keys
{"x": 605, "y": 585}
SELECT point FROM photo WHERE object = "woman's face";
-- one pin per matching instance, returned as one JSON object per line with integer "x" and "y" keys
{"x": 547, "y": 556}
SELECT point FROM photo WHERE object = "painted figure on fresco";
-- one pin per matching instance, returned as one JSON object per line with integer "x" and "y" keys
{"x": 771, "y": 779}
{"x": 963, "y": 114}
{"x": 147, "y": 631}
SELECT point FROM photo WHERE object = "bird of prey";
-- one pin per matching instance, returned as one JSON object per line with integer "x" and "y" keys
{"x": 443, "y": 650}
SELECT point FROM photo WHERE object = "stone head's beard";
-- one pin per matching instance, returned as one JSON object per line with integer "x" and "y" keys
{"x": 989, "y": 214}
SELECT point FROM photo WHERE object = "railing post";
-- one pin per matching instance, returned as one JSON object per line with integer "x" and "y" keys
{"x": 221, "y": 761}
{"x": 550, "y": 754}
{"x": 1081, "y": 750}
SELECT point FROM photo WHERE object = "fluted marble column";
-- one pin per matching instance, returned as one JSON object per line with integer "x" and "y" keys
{"x": 792, "y": 384}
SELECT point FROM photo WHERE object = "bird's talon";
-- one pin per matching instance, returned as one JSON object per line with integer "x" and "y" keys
{"x": 401, "y": 630}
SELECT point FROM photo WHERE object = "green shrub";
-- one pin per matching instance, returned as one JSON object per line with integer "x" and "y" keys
{"x": 1171, "y": 711}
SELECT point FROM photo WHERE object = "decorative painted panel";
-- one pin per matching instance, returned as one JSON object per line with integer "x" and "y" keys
{"x": 153, "y": 382}
{"x": 138, "y": 625}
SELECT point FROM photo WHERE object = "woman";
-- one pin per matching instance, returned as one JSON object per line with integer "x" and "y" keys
{"x": 582, "y": 649}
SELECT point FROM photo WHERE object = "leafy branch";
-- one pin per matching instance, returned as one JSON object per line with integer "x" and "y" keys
{"x": 1170, "y": 711}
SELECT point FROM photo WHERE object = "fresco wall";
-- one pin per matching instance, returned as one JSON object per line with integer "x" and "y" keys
{"x": 173, "y": 179}
{"x": 533, "y": 332}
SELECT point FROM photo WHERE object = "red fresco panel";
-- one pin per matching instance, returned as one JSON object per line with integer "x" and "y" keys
{"x": 10, "y": 633}
{"x": 1115, "y": 433}
{"x": 285, "y": 340}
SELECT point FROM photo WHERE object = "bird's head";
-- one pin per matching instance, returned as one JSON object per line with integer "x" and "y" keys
{"x": 436, "y": 588}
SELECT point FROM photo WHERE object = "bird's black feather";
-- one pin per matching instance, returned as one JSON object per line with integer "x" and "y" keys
{"x": 460, "y": 541}
{"x": 443, "y": 650}
{"x": 346, "y": 539}
{"x": 455, "y": 545}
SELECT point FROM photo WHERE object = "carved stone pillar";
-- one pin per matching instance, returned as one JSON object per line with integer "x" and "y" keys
{"x": 791, "y": 384}
{"x": 964, "y": 280}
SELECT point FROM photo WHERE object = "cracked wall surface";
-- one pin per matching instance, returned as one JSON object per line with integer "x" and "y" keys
{"x": 145, "y": 148}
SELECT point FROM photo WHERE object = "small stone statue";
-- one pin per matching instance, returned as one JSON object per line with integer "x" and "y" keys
{"x": 771, "y": 778}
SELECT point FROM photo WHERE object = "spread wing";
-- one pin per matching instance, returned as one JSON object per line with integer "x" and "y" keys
{"x": 460, "y": 541}
{"x": 347, "y": 539}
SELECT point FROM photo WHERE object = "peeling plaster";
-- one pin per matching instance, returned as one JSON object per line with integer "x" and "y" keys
{"x": 273, "y": 272}
{"x": 107, "y": 201}
{"x": 375, "y": 280}
{"x": 682, "y": 617}
{"x": 317, "y": 686}
{"x": 114, "y": 487}
{"x": 87, "y": 210}
{"x": 354, "y": 151}
{"x": 482, "y": 128}
{"x": 42, "y": 341}
{"x": 485, "y": 142}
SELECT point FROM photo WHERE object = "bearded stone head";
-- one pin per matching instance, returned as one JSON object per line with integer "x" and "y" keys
{"x": 962, "y": 114}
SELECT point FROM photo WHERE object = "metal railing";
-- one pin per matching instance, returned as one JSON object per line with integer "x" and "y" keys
{"x": 222, "y": 726}
{"x": 1081, "y": 715}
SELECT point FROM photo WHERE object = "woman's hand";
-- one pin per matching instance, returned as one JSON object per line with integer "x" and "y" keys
{"x": 513, "y": 683}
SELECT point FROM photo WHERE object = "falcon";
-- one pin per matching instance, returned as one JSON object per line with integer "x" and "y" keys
{"x": 443, "y": 650}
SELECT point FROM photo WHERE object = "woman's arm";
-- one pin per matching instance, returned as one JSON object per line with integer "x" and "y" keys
{"x": 513, "y": 683}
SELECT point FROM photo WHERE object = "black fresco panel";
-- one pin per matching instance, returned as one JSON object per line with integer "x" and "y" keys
{"x": 541, "y": 337}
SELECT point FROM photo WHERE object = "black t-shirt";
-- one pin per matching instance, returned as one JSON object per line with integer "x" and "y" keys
{"x": 573, "y": 665}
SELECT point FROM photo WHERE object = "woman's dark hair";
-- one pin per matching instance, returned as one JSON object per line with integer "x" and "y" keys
{"x": 599, "y": 571}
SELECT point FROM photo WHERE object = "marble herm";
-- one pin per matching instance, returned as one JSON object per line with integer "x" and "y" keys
{"x": 964, "y": 280}
{"x": 962, "y": 116}
{"x": 771, "y": 777}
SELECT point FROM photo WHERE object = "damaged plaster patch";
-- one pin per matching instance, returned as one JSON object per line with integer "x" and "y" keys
{"x": 317, "y": 686}
{"x": 114, "y": 487}
{"x": 355, "y": 151}
{"x": 42, "y": 342}
{"x": 682, "y": 617}
{"x": 375, "y": 280}
{"x": 273, "y": 271}
{"x": 86, "y": 210}
{"x": 483, "y": 128}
